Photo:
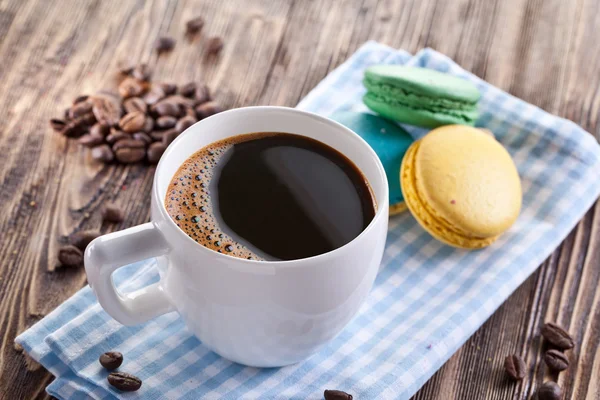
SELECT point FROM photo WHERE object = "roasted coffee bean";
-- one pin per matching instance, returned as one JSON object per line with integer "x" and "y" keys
{"x": 130, "y": 155}
{"x": 131, "y": 87}
{"x": 155, "y": 151}
{"x": 165, "y": 107}
{"x": 80, "y": 98}
{"x": 549, "y": 391}
{"x": 135, "y": 104}
{"x": 128, "y": 143}
{"x": 125, "y": 67}
{"x": 336, "y": 395}
{"x": 557, "y": 336}
{"x": 202, "y": 94}
{"x": 133, "y": 122}
{"x": 90, "y": 140}
{"x": 142, "y": 137}
{"x": 148, "y": 125}
{"x": 214, "y": 45}
{"x": 184, "y": 123}
{"x": 166, "y": 122}
{"x": 57, "y": 124}
{"x": 124, "y": 381}
{"x": 82, "y": 238}
{"x": 169, "y": 136}
{"x": 556, "y": 360}
{"x": 80, "y": 109}
{"x": 194, "y": 25}
{"x": 103, "y": 153}
{"x": 515, "y": 367}
{"x": 116, "y": 135}
{"x": 207, "y": 109}
{"x": 79, "y": 126}
{"x": 168, "y": 88}
{"x": 106, "y": 109}
{"x": 100, "y": 130}
{"x": 111, "y": 360}
{"x": 113, "y": 213}
{"x": 164, "y": 44}
{"x": 154, "y": 95}
{"x": 157, "y": 135}
{"x": 188, "y": 90}
{"x": 142, "y": 72}
{"x": 70, "y": 256}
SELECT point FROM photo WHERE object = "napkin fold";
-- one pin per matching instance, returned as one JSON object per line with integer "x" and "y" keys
{"x": 427, "y": 300}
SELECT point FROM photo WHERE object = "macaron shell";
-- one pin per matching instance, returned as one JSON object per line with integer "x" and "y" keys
{"x": 424, "y": 81}
{"x": 431, "y": 222}
{"x": 469, "y": 179}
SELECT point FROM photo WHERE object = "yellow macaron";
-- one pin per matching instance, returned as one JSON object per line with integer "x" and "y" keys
{"x": 461, "y": 185}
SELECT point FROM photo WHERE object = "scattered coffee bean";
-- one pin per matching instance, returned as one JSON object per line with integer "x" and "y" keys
{"x": 164, "y": 44}
{"x": 79, "y": 126}
{"x": 336, "y": 395}
{"x": 143, "y": 137}
{"x": 207, "y": 109}
{"x": 113, "y": 213}
{"x": 142, "y": 72}
{"x": 156, "y": 94}
{"x": 124, "y": 381}
{"x": 556, "y": 360}
{"x": 82, "y": 238}
{"x": 168, "y": 88}
{"x": 214, "y": 45}
{"x": 184, "y": 123}
{"x": 135, "y": 104}
{"x": 165, "y": 107}
{"x": 103, "y": 153}
{"x": 169, "y": 136}
{"x": 125, "y": 67}
{"x": 130, "y": 155}
{"x": 194, "y": 25}
{"x": 132, "y": 122}
{"x": 557, "y": 336}
{"x": 70, "y": 256}
{"x": 155, "y": 151}
{"x": 188, "y": 90}
{"x": 148, "y": 125}
{"x": 128, "y": 143}
{"x": 80, "y": 98}
{"x": 515, "y": 367}
{"x": 549, "y": 391}
{"x": 80, "y": 109}
{"x": 57, "y": 124}
{"x": 106, "y": 109}
{"x": 202, "y": 94}
{"x": 111, "y": 360}
{"x": 131, "y": 87}
{"x": 166, "y": 122}
{"x": 116, "y": 135}
{"x": 99, "y": 130}
{"x": 90, "y": 140}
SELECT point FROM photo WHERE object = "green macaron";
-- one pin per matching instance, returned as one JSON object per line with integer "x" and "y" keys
{"x": 420, "y": 96}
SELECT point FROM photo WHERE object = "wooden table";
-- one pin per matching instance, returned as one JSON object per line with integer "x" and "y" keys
{"x": 546, "y": 52}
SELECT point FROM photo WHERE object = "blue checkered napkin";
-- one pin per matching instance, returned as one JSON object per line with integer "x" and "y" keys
{"x": 427, "y": 300}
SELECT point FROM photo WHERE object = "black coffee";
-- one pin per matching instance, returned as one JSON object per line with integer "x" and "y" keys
{"x": 270, "y": 196}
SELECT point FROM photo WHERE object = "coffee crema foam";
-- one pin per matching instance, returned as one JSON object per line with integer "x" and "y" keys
{"x": 189, "y": 203}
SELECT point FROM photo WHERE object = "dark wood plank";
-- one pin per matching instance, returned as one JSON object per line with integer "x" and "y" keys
{"x": 543, "y": 51}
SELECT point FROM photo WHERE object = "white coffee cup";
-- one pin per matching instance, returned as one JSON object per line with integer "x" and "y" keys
{"x": 257, "y": 313}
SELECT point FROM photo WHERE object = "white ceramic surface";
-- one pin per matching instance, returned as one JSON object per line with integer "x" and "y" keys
{"x": 256, "y": 313}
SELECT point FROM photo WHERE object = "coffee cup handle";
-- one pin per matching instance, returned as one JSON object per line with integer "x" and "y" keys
{"x": 110, "y": 252}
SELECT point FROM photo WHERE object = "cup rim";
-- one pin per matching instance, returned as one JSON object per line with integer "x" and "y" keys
{"x": 382, "y": 209}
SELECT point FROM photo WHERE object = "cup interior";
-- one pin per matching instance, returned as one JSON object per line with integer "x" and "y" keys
{"x": 272, "y": 119}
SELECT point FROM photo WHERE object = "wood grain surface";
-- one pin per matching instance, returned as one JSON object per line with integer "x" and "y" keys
{"x": 546, "y": 52}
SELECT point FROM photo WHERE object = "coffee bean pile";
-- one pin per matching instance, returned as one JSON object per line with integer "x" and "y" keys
{"x": 559, "y": 341}
{"x": 139, "y": 122}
